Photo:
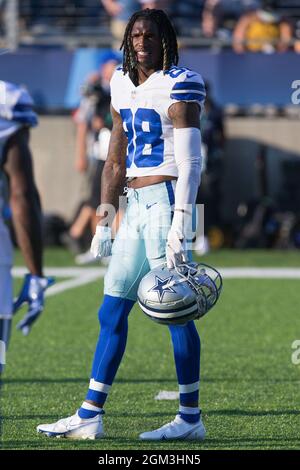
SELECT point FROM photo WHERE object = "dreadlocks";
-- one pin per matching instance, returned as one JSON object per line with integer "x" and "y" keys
{"x": 168, "y": 42}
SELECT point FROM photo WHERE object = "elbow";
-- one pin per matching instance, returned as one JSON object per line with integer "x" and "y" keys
{"x": 20, "y": 197}
{"x": 114, "y": 171}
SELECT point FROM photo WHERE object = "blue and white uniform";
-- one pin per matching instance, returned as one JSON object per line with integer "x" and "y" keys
{"x": 145, "y": 113}
{"x": 140, "y": 243}
{"x": 15, "y": 112}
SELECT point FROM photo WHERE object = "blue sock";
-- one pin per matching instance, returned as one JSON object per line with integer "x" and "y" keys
{"x": 186, "y": 345}
{"x": 113, "y": 317}
{"x": 189, "y": 414}
{"x": 87, "y": 411}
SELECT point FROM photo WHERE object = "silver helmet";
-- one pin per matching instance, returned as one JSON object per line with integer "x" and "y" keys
{"x": 176, "y": 296}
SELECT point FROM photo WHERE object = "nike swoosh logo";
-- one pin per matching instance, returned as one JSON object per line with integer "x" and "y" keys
{"x": 190, "y": 75}
{"x": 150, "y": 205}
{"x": 181, "y": 436}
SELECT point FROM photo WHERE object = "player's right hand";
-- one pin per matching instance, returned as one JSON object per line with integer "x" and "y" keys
{"x": 101, "y": 243}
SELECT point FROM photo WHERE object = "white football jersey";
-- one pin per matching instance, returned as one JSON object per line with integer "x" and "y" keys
{"x": 146, "y": 122}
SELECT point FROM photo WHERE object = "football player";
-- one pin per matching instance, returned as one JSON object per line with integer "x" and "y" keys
{"x": 156, "y": 144}
{"x": 17, "y": 182}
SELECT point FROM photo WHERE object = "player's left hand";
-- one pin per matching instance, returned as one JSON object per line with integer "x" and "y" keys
{"x": 176, "y": 250}
{"x": 32, "y": 293}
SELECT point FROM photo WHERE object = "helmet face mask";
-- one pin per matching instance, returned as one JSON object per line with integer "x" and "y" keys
{"x": 176, "y": 296}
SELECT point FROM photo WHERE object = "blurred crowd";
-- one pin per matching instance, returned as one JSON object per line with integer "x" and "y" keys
{"x": 245, "y": 25}
{"x": 93, "y": 127}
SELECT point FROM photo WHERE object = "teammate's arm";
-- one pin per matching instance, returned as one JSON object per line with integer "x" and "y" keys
{"x": 26, "y": 211}
{"x": 24, "y": 200}
{"x": 112, "y": 184}
{"x": 185, "y": 117}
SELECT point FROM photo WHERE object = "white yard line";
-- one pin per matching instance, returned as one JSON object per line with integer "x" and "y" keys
{"x": 63, "y": 272}
{"x": 82, "y": 276}
{"x": 260, "y": 273}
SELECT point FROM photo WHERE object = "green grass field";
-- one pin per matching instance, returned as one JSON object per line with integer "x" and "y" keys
{"x": 249, "y": 390}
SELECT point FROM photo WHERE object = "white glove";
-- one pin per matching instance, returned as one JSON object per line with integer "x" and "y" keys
{"x": 101, "y": 243}
{"x": 176, "y": 249}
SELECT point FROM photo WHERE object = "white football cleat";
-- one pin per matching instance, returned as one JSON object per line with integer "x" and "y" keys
{"x": 176, "y": 429}
{"x": 74, "y": 427}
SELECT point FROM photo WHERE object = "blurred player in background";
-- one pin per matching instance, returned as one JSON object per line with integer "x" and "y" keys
{"x": 210, "y": 192}
{"x": 18, "y": 192}
{"x": 156, "y": 143}
{"x": 93, "y": 124}
{"x": 102, "y": 130}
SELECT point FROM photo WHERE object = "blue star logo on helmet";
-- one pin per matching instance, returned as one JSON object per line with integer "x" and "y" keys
{"x": 197, "y": 288}
{"x": 161, "y": 287}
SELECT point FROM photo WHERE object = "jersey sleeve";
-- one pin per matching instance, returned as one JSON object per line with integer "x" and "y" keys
{"x": 115, "y": 88}
{"x": 185, "y": 85}
{"x": 18, "y": 105}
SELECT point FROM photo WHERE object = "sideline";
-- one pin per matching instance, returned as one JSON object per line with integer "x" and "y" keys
{"x": 82, "y": 276}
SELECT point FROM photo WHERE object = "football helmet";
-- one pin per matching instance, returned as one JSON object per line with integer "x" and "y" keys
{"x": 176, "y": 296}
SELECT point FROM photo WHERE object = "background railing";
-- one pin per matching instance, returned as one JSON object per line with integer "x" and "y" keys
{"x": 85, "y": 23}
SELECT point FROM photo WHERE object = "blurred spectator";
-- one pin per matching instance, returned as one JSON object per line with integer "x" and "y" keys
{"x": 158, "y": 4}
{"x": 209, "y": 18}
{"x": 91, "y": 119}
{"x": 212, "y": 129}
{"x": 216, "y": 11}
{"x": 87, "y": 215}
{"x": 185, "y": 16}
{"x": 209, "y": 194}
{"x": 262, "y": 30}
{"x": 106, "y": 73}
{"x": 120, "y": 11}
{"x": 297, "y": 46}
{"x": 2, "y": 13}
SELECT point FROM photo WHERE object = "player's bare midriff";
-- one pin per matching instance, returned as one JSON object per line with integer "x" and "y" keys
{"x": 141, "y": 181}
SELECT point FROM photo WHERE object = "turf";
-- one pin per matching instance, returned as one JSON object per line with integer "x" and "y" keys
{"x": 228, "y": 258}
{"x": 249, "y": 390}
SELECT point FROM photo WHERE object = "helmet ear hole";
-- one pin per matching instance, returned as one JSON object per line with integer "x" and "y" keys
{"x": 176, "y": 296}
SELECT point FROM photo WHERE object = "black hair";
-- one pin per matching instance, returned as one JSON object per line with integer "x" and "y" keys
{"x": 168, "y": 41}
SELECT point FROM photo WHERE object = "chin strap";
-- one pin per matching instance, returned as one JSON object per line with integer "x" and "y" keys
{"x": 207, "y": 289}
